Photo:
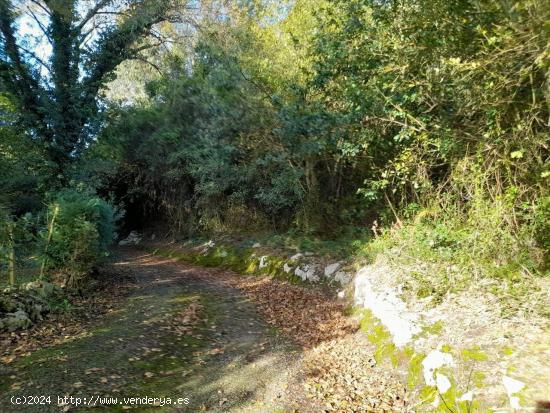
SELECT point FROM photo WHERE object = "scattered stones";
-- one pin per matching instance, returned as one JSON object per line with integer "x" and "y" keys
{"x": 306, "y": 272}
{"x": 513, "y": 387}
{"x": 42, "y": 288}
{"x": 19, "y": 309}
{"x": 342, "y": 277}
{"x": 263, "y": 261}
{"x": 332, "y": 268}
{"x": 15, "y": 321}
{"x": 433, "y": 361}
{"x": 206, "y": 247}
{"x": 133, "y": 238}
{"x": 442, "y": 383}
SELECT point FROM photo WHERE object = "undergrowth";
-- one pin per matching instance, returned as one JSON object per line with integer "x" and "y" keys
{"x": 444, "y": 250}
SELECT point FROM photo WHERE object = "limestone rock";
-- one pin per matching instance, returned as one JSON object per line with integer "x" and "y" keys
{"x": 342, "y": 277}
{"x": 16, "y": 321}
{"x": 263, "y": 261}
{"x": 133, "y": 238}
{"x": 332, "y": 268}
{"x": 306, "y": 272}
{"x": 512, "y": 387}
{"x": 386, "y": 305}
{"x": 433, "y": 361}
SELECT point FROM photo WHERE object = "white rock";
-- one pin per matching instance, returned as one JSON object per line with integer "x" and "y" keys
{"x": 287, "y": 268}
{"x": 17, "y": 320}
{"x": 512, "y": 387}
{"x": 296, "y": 257}
{"x": 442, "y": 383}
{"x": 133, "y": 238}
{"x": 342, "y": 277}
{"x": 332, "y": 268}
{"x": 42, "y": 288}
{"x": 514, "y": 402}
{"x": 467, "y": 397}
{"x": 341, "y": 294}
{"x": 207, "y": 246}
{"x": 434, "y": 360}
{"x": 256, "y": 245}
{"x": 306, "y": 272}
{"x": 263, "y": 261}
{"x": 387, "y": 307}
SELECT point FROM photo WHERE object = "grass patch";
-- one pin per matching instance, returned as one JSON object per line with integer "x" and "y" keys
{"x": 445, "y": 252}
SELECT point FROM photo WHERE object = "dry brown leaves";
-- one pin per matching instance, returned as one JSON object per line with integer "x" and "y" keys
{"x": 339, "y": 366}
{"x": 306, "y": 314}
{"x": 343, "y": 377}
{"x": 58, "y": 326}
{"x": 183, "y": 322}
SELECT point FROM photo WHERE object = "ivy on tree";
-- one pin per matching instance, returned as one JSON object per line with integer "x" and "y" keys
{"x": 57, "y": 97}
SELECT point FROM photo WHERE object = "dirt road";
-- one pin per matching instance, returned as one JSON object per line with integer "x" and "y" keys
{"x": 182, "y": 333}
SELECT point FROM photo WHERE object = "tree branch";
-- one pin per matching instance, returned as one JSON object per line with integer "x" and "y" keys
{"x": 35, "y": 57}
{"x": 41, "y": 6}
{"x": 144, "y": 60}
{"x": 91, "y": 13}
{"x": 15, "y": 71}
{"x": 40, "y": 25}
{"x": 115, "y": 45}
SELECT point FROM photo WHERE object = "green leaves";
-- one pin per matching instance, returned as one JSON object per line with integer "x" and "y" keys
{"x": 80, "y": 228}
{"x": 56, "y": 95}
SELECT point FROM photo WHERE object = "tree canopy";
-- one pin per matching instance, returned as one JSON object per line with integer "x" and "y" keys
{"x": 56, "y": 91}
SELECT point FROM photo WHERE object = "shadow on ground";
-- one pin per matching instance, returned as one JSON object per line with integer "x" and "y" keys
{"x": 222, "y": 357}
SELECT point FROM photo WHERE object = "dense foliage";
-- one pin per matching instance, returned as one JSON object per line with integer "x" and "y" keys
{"x": 55, "y": 58}
{"x": 79, "y": 229}
{"x": 424, "y": 123}
{"x": 408, "y": 104}
{"x": 57, "y": 97}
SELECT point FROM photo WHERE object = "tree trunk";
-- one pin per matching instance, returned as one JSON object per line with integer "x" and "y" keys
{"x": 11, "y": 255}
{"x": 48, "y": 240}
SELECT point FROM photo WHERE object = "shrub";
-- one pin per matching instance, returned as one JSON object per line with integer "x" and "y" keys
{"x": 80, "y": 228}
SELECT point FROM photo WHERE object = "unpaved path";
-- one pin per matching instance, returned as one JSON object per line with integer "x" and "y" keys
{"x": 182, "y": 333}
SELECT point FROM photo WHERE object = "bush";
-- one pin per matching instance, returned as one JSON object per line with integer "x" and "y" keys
{"x": 80, "y": 228}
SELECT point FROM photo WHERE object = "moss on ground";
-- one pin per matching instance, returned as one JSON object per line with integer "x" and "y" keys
{"x": 240, "y": 260}
{"x": 124, "y": 352}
